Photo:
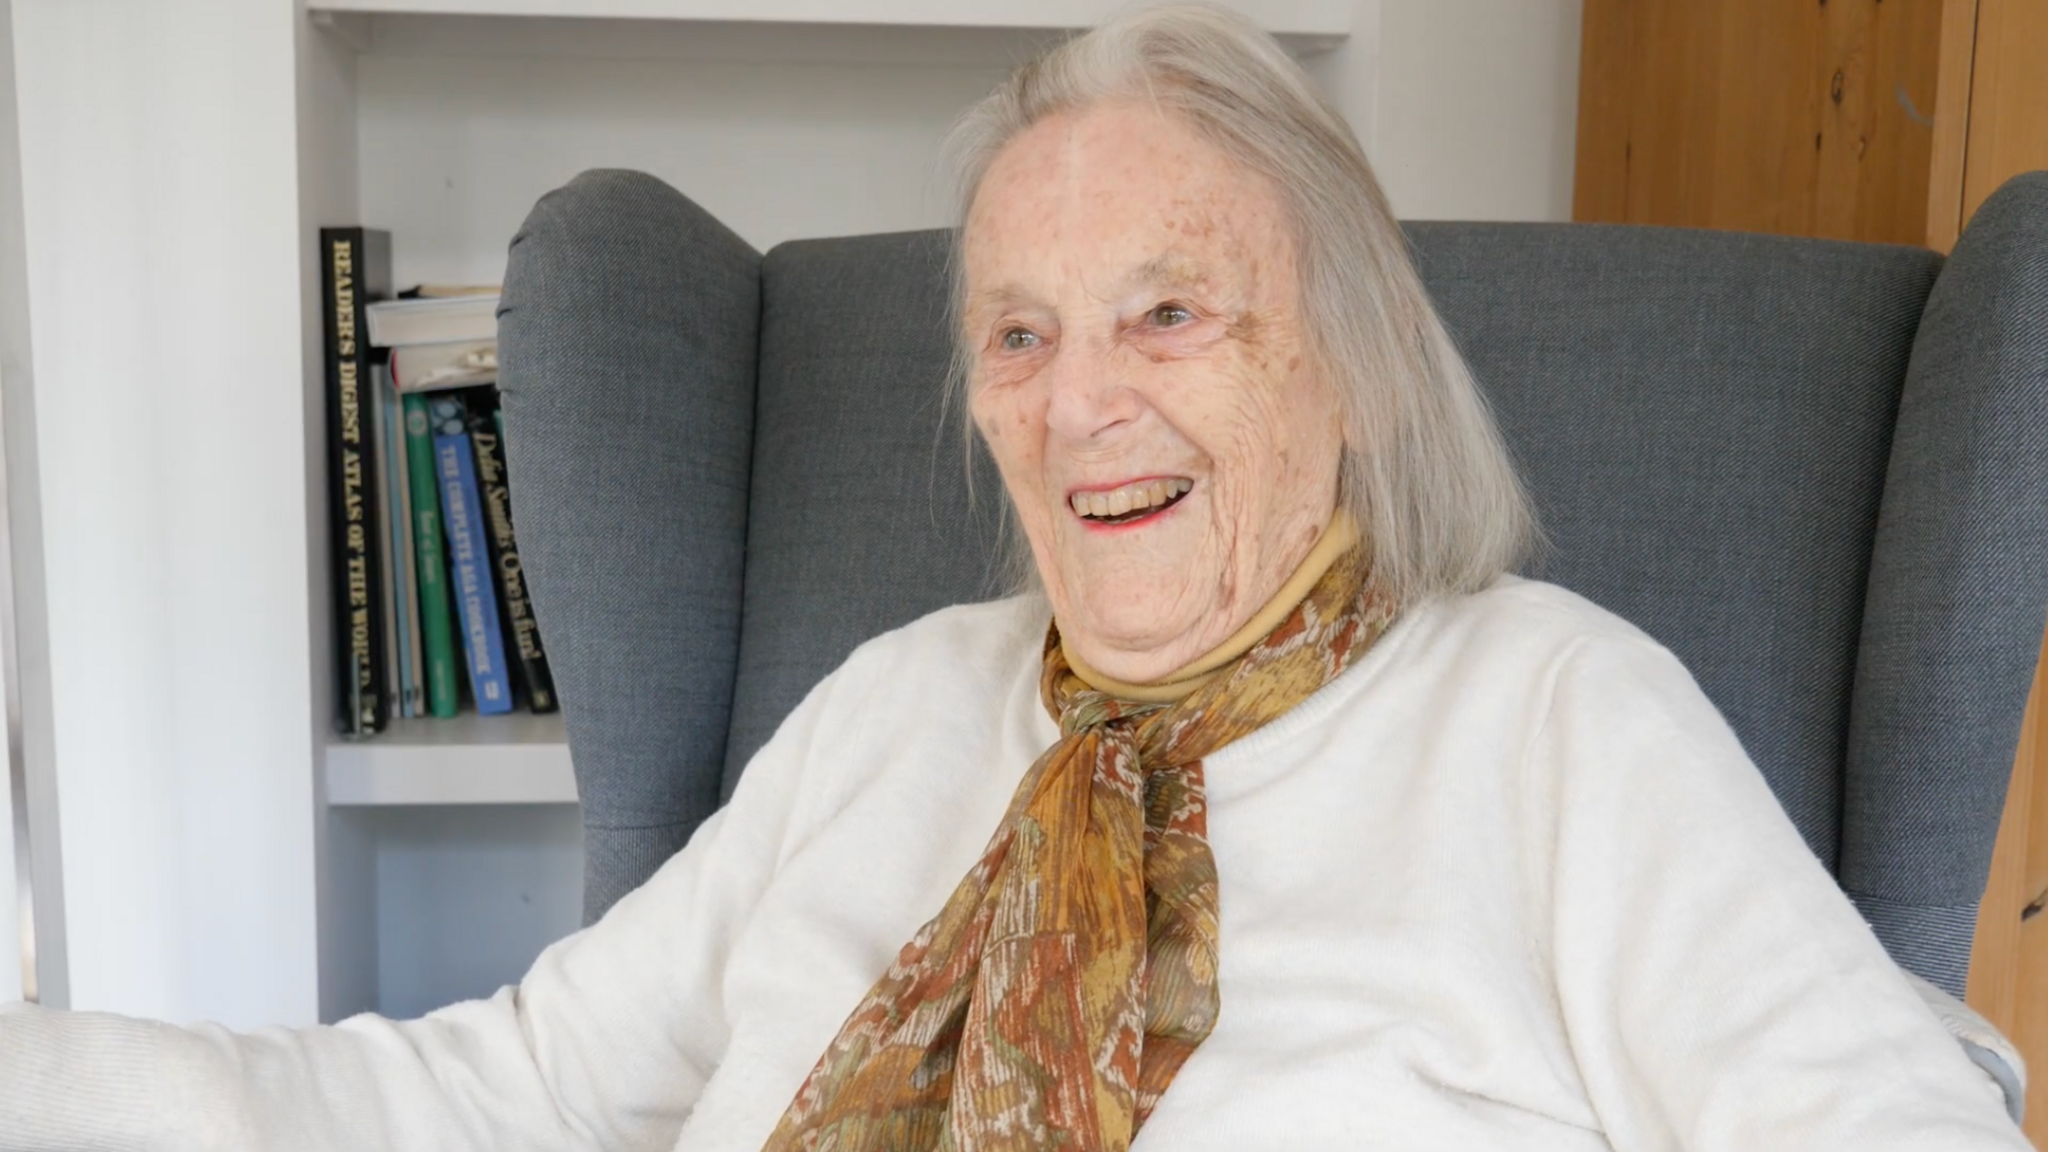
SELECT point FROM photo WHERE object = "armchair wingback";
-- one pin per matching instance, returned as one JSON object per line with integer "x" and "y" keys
{"x": 1817, "y": 471}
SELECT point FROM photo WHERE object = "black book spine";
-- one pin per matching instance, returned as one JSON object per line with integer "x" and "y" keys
{"x": 355, "y": 268}
{"x": 496, "y": 492}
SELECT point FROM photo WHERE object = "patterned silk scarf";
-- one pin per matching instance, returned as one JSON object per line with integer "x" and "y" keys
{"x": 1073, "y": 970}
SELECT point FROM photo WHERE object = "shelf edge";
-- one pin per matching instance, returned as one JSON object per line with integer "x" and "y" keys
{"x": 371, "y": 774}
{"x": 1318, "y": 18}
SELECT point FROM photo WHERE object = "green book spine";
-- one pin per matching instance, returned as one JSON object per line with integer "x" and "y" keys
{"x": 437, "y": 629}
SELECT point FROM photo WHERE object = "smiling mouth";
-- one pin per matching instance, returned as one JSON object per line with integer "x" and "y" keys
{"x": 1128, "y": 503}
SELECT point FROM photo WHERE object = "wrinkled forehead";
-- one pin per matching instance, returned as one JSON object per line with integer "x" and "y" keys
{"x": 1115, "y": 192}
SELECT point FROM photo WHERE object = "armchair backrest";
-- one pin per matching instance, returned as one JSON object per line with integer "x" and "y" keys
{"x": 1817, "y": 471}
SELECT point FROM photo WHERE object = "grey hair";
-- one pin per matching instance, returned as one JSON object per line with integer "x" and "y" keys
{"x": 1425, "y": 472}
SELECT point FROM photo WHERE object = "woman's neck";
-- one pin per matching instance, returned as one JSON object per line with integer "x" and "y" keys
{"x": 1335, "y": 541}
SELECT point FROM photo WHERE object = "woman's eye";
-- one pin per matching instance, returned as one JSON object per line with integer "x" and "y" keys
{"x": 1017, "y": 339}
{"x": 1168, "y": 315}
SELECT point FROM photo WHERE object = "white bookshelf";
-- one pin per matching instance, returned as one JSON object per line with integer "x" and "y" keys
{"x": 470, "y": 759}
{"x": 1293, "y": 17}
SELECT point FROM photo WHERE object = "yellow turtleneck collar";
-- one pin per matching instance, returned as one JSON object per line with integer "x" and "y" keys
{"x": 1336, "y": 540}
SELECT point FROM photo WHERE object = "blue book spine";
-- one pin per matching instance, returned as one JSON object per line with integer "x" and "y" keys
{"x": 476, "y": 602}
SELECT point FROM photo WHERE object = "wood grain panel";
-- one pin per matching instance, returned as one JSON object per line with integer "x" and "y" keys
{"x": 1766, "y": 160}
{"x": 1760, "y": 115}
{"x": 1606, "y": 91}
{"x": 2008, "y": 97}
{"x": 1896, "y": 146}
{"x": 1958, "y": 49}
{"x": 1842, "y": 83}
{"x": 1671, "y": 114}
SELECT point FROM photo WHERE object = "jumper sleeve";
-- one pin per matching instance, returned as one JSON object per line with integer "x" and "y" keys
{"x": 1719, "y": 990}
{"x": 606, "y": 1042}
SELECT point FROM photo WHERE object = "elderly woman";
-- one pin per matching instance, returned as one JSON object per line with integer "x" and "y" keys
{"x": 1302, "y": 825}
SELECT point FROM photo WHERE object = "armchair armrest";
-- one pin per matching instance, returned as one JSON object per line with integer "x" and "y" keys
{"x": 1981, "y": 1042}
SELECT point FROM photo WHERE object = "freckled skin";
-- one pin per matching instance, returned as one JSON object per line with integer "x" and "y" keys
{"x": 1087, "y": 374}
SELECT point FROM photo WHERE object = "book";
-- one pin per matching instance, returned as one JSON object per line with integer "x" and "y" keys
{"x": 404, "y": 598}
{"x": 456, "y": 364}
{"x": 355, "y": 270}
{"x": 430, "y": 290}
{"x": 476, "y": 601}
{"x": 486, "y": 438}
{"x": 416, "y": 682}
{"x": 380, "y": 494}
{"x": 437, "y": 630}
{"x": 434, "y": 320}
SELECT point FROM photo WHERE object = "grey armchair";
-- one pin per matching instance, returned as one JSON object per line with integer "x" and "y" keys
{"x": 1817, "y": 471}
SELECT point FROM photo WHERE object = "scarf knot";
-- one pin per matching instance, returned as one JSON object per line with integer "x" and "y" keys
{"x": 1081, "y": 708}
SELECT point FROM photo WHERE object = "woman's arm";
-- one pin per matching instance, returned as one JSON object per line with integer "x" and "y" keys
{"x": 606, "y": 1042}
{"x": 1719, "y": 989}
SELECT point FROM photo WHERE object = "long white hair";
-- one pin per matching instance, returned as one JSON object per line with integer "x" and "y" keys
{"x": 1424, "y": 472}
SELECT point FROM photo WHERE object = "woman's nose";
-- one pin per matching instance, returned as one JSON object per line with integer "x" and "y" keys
{"x": 1089, "y": 396}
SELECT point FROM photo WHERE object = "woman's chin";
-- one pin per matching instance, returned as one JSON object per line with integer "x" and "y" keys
{"x": 1135, "y": 651}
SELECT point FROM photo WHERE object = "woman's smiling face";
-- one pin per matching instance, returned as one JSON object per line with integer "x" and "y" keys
{"x": 1141, "y": 374}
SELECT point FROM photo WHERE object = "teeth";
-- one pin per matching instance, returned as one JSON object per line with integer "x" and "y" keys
{"x": 1130, "y": 497}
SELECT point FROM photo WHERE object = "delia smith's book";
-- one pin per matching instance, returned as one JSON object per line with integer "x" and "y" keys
{"x": 486, "y": 438}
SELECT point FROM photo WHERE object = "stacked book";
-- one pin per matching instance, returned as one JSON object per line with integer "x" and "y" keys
{"x": 431, "y": 610}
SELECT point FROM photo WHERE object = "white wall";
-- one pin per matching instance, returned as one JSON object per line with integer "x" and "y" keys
{"x": 1476, "y": 113}
{"x": 10, "y": 935}
{"x": 161, "y": 207}
{"x": 1468, "y": 109}
{"x": 32, "y": 956}
{"x": 10, "y": 190}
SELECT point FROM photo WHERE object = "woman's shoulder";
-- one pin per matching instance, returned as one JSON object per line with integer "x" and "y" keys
{"x": 1522, "y": 620}
{"x": 909, "y": 705}
{"x": 1553, "y": 608}
{"x": 959, "y": 660}
{"x": 1554, "y": 650}
{"x": 1510, "y": 644}
{"x": 968, "y": 641}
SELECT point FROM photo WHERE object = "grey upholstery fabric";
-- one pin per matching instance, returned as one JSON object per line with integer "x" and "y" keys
{"x": 1703, "y": 418}
{"x": 1706, "y": 419}
{"x": 861, "y": 519}
{"x": 627, "y": 331}
{"x": 1958, "y": 591}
